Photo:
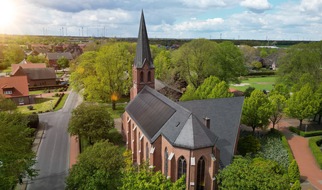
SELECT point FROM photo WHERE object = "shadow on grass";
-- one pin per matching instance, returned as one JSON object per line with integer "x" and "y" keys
{"x": 42, "y": 100}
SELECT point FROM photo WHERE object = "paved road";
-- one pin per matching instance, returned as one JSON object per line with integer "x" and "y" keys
{"x": 53, "y": 153}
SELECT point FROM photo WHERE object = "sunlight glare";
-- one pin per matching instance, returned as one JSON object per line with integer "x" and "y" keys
{"x": 7, "y": 13}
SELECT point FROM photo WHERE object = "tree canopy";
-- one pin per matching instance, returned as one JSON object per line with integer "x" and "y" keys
{"x": 105, "y": 72}
{"x": 7, "y": 104}
{"x": 278, "y": 103}
{"x": 63, "y": 62}
{"x": 13, "y": 54}
{"x": 16, "y": 157}
{"x": 301, "y": 59}
{"x": 256, "y": 110}
{"x": 212, "y": 87}
{"x": 98, "y": 167}
{"x": 257, "y": 173}
{"x": 91, "y": 121}
{"x": 201, "y": 58}
{"x": 303, "y": 103}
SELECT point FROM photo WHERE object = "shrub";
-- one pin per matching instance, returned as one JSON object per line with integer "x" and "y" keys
{"x": 248, "y": 144}
{"x": 30, "y": 107}
{"x": 293, "y": 172}
{"x": 273, "y": 149}
{"x": 33, "y": 120}
{"x": 316, "y": 150}
{"x": 296, "y": 185}
{"x": 305, "y": 134}
{"x": 287, "y": 147}
{"x": 294, "y": 130}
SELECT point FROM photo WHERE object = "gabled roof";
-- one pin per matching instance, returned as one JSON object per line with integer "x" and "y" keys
{"x": 25, "y": 65}
{"x": 40, "y": 73}
{"x": 224, "y": 114}
{"x": 18, "y": 71}
{"x": 157, "y": 115}
{"x": 143, "y": 53}
{"x": 19, "y": 84}
{"x": 56, "y": 56}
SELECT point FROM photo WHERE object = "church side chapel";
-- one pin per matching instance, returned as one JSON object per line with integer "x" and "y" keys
{"x": 193, "y": 138}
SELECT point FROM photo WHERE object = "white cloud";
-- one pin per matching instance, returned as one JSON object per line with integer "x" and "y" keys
{"x": 199, "y": 25}
{"x": 310, "y": 6}
{"x": 256, "y": 5}
{"x": 207, "y": 3}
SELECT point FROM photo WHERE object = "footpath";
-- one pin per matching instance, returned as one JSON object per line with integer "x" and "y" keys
{"x": 311, "y": 174}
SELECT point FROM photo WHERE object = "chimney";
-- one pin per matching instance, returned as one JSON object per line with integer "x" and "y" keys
{"x": 207, "y": 122}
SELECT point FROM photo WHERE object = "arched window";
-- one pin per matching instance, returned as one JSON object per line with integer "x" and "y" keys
{"x": 149, "y": 76}
{"x": 201, "y": 174}
{"x": 166, "y": 155}
{"x": 147, "y": 152}
{"x": 141, "y": 76}
{"x": 182, "y": 167}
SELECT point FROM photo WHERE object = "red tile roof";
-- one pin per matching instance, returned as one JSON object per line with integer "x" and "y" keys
{"x": 18, "y": 85}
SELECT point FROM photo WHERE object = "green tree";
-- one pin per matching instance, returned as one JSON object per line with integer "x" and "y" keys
{"x": 257, "y": 173}
{"x": 7, "y": 104}
{"x": 250, "y": 53}
{"x": 293, "y": 172}
{"x": 301, "y": 59}
{"x": 212, "y": 87}
{"x": 280, "y": 89}
{"x": 303, "y": 104}
{"x": 105, "y": 72}
{"x": 13, "y": 54}
{"x": 256, "y": 110}
{"x": 91, "y": 121}
{"x": 256, "y": 65}
{"x": 248, "y": 144}
{"x": 98, "y": 167}
{"x": 63, "y": 62}
{"x": 278, "y": 103}
{"x": 143, "y": 177}
{"x": 36, "y": 58}
{"x": 163, "y": 66}
{"x": 16, "y": 157}
{"x": 296, "y": 185}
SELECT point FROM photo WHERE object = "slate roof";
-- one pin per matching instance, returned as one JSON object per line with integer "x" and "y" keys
{"x": 56, "y": 56}
{"x": 40, "y": 73}
{"x": 225, "y": 115}
{"x": 24, "y": 65}
{"x": 19, "y": 84}
{"x": 143, "y": 53}
{"x": 157, "y": 115}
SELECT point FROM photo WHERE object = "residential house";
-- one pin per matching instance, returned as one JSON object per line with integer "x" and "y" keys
{"x": 15, "y": 88}
{"x": 192, "y": 139}
{"x": 37, "y": 76}
{"x": 54, "y": 57}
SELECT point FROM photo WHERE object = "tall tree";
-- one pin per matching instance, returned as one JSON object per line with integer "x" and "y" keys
{"x": 98, "y": 167}
{"x": 163, "y": 66}
{"x": 212, "y": 87}
{"x": 16, "y": 157}
{"x": 278, "y": 103}
{"x": 105, "y": 72}
{"x": 300, "y": 59}
{"x": 303, "y": 104}
{"x": 256, "y": 110}
{"x": 91, "y": 121}
{"x": 13, "y": 54}
{"x": 36, "y": 58}
{"x": 63, "y": 62}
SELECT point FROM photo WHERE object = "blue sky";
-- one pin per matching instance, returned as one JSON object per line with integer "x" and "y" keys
{"x": 227, "y": 19}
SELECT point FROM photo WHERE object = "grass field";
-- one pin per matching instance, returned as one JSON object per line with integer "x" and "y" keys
{"x": 41, "y": 105}
{"x": 261, "y": 83}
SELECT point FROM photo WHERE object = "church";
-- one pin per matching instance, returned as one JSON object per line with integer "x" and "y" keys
{"x": 193, "y": 138}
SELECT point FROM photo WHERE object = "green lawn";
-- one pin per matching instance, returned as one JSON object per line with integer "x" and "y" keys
{"x": 261, "y": 83}
{"x": 41, "y": 105}
{"x": 120, "y": 107}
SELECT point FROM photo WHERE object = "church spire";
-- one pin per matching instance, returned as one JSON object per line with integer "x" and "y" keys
{"x": 143, "y": 68}
{"x": 143, "y": 53}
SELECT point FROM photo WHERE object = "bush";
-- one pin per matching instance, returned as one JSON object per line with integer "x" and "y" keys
{"x": 296, "y": 185}
{"x": 293, "y": 172}
{"x": 30, "y": 107}
{"x": 316, "y": 150}
{"x": 248, "y": 144}
{"x": 287, "y": 147}
{"x": 305, "y": 134}
{"x": 115, "y": 137}
{"x": 273, "y": 149}
{"x": 33, "y": 120}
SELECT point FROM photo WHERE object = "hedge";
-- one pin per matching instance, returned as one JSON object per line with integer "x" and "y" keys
{"x": 288, "y": 148}
{"x": 316, "y": 150}
{"x": 305, "y": 134}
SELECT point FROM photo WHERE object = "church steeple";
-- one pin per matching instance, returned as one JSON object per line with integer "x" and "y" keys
{"x": 143, "y": 68}
{"x": 143, "y": 53}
